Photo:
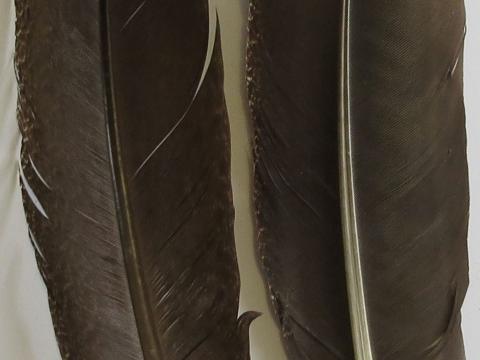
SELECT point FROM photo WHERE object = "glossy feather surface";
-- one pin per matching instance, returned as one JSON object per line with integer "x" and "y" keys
{"x": 134, "y": 240}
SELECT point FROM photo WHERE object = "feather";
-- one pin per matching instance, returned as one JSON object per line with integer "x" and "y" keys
{"x": 398, "y": 207}
{"x": 293, "y": 94}
{"x": 126, "y": 178}
{"x": 403, "y": 116}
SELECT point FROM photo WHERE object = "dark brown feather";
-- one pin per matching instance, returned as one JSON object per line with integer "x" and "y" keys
{"x": 410, "y": 172}
{"x": 398, "y": 98}
{"x": 293, "y": 59}
{"x": 137, "y": 251}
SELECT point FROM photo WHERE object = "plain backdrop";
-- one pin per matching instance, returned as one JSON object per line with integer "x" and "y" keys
{"x": 26, "y": 331}
{"x": 25, "y": 327}
{"x": 471, "y": 310}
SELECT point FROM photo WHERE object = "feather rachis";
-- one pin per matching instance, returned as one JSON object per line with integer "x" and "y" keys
{"x": 351, "y": 240}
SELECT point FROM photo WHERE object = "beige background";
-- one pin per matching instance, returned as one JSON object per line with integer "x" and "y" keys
{"x": 471, "y": 310}
{"x": 26, "y": 331}
{"x": 25, "y": 327}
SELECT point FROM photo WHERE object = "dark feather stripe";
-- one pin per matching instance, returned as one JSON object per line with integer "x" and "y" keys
{"x": 138, "y": 264}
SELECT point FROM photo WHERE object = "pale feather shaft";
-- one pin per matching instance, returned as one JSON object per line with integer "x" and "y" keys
{"x": 353, "y": 263}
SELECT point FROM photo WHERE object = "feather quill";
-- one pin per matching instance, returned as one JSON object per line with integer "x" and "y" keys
{"x": 126, "y": 178}
{"x": 392, "y": 121}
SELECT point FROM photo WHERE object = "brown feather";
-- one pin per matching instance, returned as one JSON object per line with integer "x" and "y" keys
{"x": 293, "y": 58}
{"x": 410, "y": 173}
{"x": 391, "y": 90}
{"x": 137, "y": 251}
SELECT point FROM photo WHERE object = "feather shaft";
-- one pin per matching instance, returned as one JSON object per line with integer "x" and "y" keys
{"x": 351, "y": 241}
{"x": 151, "y": 348}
